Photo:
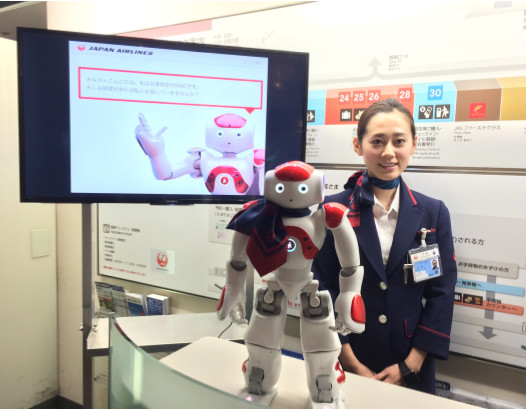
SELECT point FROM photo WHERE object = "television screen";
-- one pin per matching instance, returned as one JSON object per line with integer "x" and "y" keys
{"x": 120, "y": 119}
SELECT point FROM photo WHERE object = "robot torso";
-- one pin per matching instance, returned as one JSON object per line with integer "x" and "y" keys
{"x": 227, "y": 175}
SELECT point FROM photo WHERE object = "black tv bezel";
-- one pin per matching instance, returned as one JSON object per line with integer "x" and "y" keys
{"x": 61, "y": 141}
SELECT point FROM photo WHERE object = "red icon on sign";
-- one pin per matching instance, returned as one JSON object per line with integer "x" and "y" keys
{"x": 81, "y": 47}
{"x": 162, "y": 259}
{"x": 477, "y": 110}
{"x": 224, "y": 180}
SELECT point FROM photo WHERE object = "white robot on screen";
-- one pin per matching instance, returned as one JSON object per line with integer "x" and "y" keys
{"x": 280, "y": 234}
{"x": 228, "y": 134}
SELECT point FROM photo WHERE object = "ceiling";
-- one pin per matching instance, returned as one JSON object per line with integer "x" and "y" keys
{"x": 15, "y": 14}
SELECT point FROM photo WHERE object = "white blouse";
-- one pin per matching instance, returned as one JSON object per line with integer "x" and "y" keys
{"x": 385, "y": 221}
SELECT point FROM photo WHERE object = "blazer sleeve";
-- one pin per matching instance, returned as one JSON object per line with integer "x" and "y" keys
{"x": 434, "y": 328}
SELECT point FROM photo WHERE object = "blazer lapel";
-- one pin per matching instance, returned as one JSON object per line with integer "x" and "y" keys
{"x": 409, "y": 220}
{"x": 368, "y": 238}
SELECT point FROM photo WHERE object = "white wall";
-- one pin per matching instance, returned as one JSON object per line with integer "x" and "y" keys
{"x": 28, "y": 286}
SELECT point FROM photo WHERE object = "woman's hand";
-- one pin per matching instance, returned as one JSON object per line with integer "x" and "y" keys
{"x": 391, "y": 374}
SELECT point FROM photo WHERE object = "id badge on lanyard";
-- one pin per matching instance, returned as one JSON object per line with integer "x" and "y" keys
{"x": 424, "y": 261}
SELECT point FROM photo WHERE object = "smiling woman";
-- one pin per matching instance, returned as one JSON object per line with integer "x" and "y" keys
{"x": 402, "y": 335}
{"x": 386, "y": 140}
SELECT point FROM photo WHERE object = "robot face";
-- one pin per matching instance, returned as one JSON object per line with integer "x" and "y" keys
{"x": 294, "y": 185}
{"x": 230, "y": 133}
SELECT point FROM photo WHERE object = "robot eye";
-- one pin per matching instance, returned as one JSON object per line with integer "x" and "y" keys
{"x": 220, "y": 133}
{"x": 239, "y": 134}
{"x": 280, "y": 188}
{"x": 303, "y": 188}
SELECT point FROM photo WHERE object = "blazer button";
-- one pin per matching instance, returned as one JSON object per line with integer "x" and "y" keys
{"x": 382, "y": 319}
{"x": 383, "y": 286}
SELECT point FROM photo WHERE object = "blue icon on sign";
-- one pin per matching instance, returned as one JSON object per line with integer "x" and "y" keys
{"x": 435, "y": 92}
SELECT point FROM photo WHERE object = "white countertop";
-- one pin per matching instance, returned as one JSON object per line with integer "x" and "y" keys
{"x": 160, "y": 330}
{"x": 223, "y": 359}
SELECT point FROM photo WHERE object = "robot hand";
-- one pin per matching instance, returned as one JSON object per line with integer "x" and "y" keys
{"x": 233, "y": 299}
{"x": 152, "y": 145}
{"x": 351, "y": 313}
{"x": 349, "y": 304}
{"x": 195, "y": 158}
{"x": 232, "y": 303}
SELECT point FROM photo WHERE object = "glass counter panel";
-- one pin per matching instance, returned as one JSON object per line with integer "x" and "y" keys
{"x": 139, "y": 381}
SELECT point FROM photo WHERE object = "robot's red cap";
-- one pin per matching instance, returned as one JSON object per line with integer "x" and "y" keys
{"x": 230, "y": 121}
{"x": 295, "y": 171}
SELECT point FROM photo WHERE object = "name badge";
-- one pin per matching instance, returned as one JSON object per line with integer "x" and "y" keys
{"x": 424, "y": 261}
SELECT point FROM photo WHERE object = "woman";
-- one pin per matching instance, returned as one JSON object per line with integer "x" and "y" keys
{"x": 408, "y": 320}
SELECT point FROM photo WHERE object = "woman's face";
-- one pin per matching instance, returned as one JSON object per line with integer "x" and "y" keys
{"x": 387, "y": 145}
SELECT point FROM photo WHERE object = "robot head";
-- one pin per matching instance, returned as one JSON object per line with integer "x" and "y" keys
{"x": 294, "y": 185}
{"x": 230, "y": 133}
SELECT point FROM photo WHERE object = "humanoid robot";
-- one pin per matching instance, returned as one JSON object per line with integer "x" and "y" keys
{"x": 282, "y": 235}
{"x": 229, "y": 134}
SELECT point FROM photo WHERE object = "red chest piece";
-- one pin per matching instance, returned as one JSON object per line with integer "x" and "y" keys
{"x": 307, "y": 245}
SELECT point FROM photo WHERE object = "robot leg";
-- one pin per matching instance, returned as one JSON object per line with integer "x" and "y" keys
{"x": 321, "y": 348}
{"x": 264, "y": 339}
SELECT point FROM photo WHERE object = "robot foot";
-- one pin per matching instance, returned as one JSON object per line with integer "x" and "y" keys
{"x": 336, "y": 404}
{"x": 263, "y": 399}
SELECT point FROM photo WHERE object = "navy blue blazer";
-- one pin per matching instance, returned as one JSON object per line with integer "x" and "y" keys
{"x": 398, "y": 315}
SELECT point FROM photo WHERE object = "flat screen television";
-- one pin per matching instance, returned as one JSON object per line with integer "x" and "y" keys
{"x": 127, "y": 120}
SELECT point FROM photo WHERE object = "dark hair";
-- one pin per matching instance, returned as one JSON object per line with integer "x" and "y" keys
{"x": 385, "y": 106}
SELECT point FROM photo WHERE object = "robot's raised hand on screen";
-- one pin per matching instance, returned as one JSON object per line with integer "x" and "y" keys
{"x": 153, "y": 146}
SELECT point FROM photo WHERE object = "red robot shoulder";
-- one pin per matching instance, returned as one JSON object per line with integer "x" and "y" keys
{"x": 249, "y": 204}
{"x": 334, "y": 214}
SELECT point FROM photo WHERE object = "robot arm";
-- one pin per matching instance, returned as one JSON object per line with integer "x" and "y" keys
{"x": 153, "y": 146}
{"x": 189, "y": 165}
{"x": 233, "y": 299}
{"x": 349, "y": 303}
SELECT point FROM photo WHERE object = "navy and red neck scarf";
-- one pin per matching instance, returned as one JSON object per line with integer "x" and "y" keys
{"x": 362, "y": 185}
{"x": 262, "y": 222}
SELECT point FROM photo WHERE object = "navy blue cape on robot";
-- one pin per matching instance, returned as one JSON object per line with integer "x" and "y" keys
{"x": 262, "y": 222}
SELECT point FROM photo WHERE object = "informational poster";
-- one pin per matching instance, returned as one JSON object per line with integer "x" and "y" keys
{"x": 466, "y": 87}
{"x": 166, "y": 246}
